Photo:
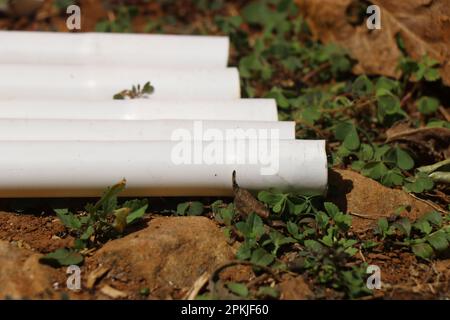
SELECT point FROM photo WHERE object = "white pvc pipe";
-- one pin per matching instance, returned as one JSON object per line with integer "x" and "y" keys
{"x": 118, "y": 130}
{"x": 97, "y": 83}
{"x": 113, "y": 49}
{"x": 80, "y": 169}
{"x": 141, "y": 109}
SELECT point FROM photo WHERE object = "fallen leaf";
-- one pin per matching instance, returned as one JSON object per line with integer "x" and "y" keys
{"x": 398, "y": 128}
{"x": 424, "y": 26}
{"x": 428, "y": 144}
{"x": 120, "y": 219}
{"x": 246, "y": 203}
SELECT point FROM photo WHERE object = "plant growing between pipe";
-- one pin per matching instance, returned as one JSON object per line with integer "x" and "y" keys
{"x": 135, "y": 92}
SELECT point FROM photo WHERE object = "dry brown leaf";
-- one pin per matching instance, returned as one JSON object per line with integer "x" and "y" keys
{"x": 398, "y": 128}
{"x": 424, "y": 26}
{"x": 429, "y": 144}
{"x": 246, "y": 203}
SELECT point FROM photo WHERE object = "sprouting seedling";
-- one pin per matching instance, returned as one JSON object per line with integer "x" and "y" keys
{"x": 136, "y": 92}
{"x": 101, "y": 221}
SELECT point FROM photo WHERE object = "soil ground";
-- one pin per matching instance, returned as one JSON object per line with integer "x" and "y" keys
{"x": 403, "y": 276}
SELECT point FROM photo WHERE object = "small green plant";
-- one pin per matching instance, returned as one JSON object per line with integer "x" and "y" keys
{"x": 426, "y": 237}
{"x": 322, "y": 234}
{"x": 328, "y": 250}
{"x": 289, "y": 206}
{"x": 223, "y": 213}
{"x": 238, "y": 288}
{"x": 265, "y": 292}
{"x": 384, "y": 163}
{"x": 104, "y": 220}
{"x": 427, "y": 105}
{"x": 252, "y": 229}
{"x": 191, "y": 208}
{"x": 62, "y": 257}
{"x": 424, "y": 69}
{"x": 136, "y": 92}
{"x": 418, "y": 183}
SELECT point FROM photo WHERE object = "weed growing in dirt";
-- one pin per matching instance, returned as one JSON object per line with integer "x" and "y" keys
{"x": 135, "y": 92}
{"x": 316, "y": 231}
{"x": 386, "y": 164}
{"x": 62, "y": 257}
{"x": 427, "y": 237}
{"x": 223, "y": 213}
{"x": 104, "y": 220}
{"x": 191, "y": 208}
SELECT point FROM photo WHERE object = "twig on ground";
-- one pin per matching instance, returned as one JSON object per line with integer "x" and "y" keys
{"x": 431, "y": 204}
{"x": 362, "y": 216}
{"x": 445, "y": 113}
{"x": 197, "y": 286}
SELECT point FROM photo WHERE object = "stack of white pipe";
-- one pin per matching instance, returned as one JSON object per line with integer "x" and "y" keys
{"x": 63, "y": 135}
